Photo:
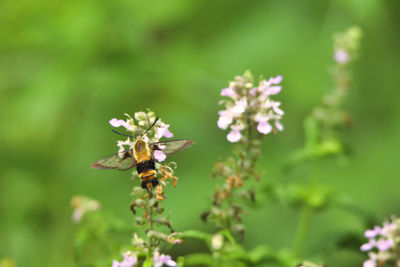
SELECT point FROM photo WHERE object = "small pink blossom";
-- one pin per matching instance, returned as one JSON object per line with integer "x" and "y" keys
{"x": 129, "y": 260}
{"x": 384, "y": 244}
{"x": 234, "y": 135}
{"x": 230, "y": 91}
{"x": 225, "y": 119}
{"x": 163, "y": 130}
{"x": 369, "y": 263}
{"x": 278, "y": 125}
{"x": 116, "y": 123}
{"x": 159, "y": 155}
{"x": 367, "y": 246}
{"x": 273, "y": 90}
{"x": 264, "y": 127}
{"x": 387, "y": 228}
{"x": 239, "y": 107}
{"x": 275, "y": 80}
{"x": 372, "y": 233}
{"x": 161, "y": 259}
{"x": 341, "y": 56}
{"x": 253, "y": 91}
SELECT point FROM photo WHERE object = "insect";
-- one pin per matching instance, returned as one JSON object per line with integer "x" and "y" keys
{"x": 141, "y": 156}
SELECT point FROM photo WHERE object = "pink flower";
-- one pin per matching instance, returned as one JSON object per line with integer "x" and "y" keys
{"x": 275, "y": 107}
{"x": 226, "y": 118}
{"x": 276, "y": 80}
{"x": 234, "y": 135}
{"x": 384, "y": 245}
{"x": 116, "y": 123}
{"x": 278, "y": 125}
{"x": 129, "y": 260}
{"x": 230, "y": 91}
{"x": 369, "y": 263}
{"x": 367, "y": 246}
{"x": 161, "y": 259}
{"x": 372, "y": 233}
{"x": 163, "y": 131}
{"x": 159, "y": 155}
{"x": 239, "y": 107}
{"x": 264, "y": 127}
{"x": 341, "y": 56}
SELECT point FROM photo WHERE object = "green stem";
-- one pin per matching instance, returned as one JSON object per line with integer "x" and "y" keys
{"x": 150, "y": 211}
{"x": 302, "y": 230}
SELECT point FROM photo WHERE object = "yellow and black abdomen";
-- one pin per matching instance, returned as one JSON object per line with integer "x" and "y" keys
{"x": 147, "y": 173}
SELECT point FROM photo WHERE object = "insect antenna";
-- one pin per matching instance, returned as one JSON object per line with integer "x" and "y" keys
{"x": 123, "y": 134}
{"x": 150, "y": 126}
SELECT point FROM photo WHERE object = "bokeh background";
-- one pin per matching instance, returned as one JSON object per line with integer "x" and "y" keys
{"x": 67, "y": 67}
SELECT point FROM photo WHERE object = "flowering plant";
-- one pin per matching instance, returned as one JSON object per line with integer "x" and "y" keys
{"x": 147, "y": 202}
{"x": 383, "y": 244}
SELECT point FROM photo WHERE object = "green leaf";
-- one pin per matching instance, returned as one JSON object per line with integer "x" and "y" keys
{"x": 260, "y": 253}
{"x": 199, "y": 259}
{"x": 180, "y": 261}
{"x": 148, "y": 262}
{"x": 228, "y": 236}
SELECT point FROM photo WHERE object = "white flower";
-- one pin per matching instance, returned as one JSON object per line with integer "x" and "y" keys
{"x": 217, "y": 241}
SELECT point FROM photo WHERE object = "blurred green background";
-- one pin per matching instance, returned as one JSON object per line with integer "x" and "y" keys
{"x": 67, "y": 67}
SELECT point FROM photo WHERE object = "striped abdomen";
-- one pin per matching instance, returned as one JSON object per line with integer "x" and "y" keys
{"x": 147, "y": 173}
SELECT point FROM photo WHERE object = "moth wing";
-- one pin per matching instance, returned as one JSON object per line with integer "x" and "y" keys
{"x": 172, "y": 146}
{"x": 114, "y": 161}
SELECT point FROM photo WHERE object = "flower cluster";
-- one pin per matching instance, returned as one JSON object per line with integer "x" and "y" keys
{"x": 251, "y": 114}
{"x": 137, "y": 126}
{"x": 81, "y": 206}
{"x": 383, "y": 244}
{"x": 345, "y": 44}
{"x": 330, "y": 115}
{"x": 131, "y": 259}
{"x": 250, "y": 104}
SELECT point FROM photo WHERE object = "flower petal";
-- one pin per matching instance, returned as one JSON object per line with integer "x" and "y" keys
{"x": 264, "y": 127}
{"x": 273, "y": 90}
{"x": 116, "y": 123}
{"x": 159, "y": 155}
{"x": 167, "y": 133}
{"x": 369, "y": 263}
{"x": 278, "y": 125}
{"x": 225, "y": 119}
{"x": 275, "y": 80}
{"x": 367, "y": 246}
{"x": 234, "y": 136}
{"x": 230, "y": 92}
{"x": 341, "y": 56}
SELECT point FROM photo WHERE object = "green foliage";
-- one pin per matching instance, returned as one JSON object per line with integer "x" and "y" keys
{"x": 67, "y": 67}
